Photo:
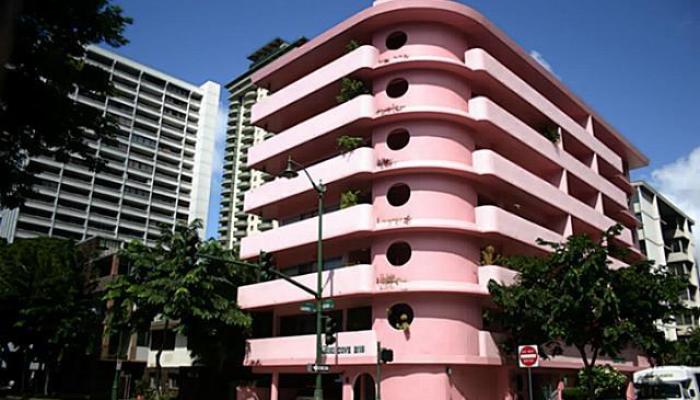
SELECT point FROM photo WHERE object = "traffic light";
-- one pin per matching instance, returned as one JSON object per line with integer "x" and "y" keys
{"x": 266, "y": 262}
{"x": 330, "y": 329}
{"x": 386, "y": 355}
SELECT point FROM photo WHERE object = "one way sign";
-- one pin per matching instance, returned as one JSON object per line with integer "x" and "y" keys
{"x": 322, "y": 368}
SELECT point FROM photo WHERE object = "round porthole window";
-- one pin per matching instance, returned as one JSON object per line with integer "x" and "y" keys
{"x": 397, "y": 139}
{"x": 398, "y": 194}
{"x": 397, "y": 88}
{"x": 398, "y": 253}
{"x": 400, "y": 316}
{"x": 396, "y": 40}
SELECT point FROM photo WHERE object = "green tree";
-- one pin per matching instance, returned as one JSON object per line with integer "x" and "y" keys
{"x": 44, "y": 67}
{"x": 572, "y": 297}
{"x": 188, "y": 284}
{"x": 684, "y": 351}
{"x": 48, "y": 303}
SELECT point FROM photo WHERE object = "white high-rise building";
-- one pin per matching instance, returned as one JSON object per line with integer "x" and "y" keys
{"x": 666, "y": 237}
{"x": 158, "y": 168}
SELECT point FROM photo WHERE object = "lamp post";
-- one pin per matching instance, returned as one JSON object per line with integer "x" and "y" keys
{"x": 320, "y": 188}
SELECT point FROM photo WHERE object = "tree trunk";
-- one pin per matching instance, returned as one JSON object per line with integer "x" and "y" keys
{"x": 159, "y": 368}
{"x": 46, "y": 379}
{"x": 587, "y": 367}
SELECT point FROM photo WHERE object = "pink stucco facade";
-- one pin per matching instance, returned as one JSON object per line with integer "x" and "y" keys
{"x": 465, "y": 140}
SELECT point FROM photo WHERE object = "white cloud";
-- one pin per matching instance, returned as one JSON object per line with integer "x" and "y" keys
{"x": 541, "y": 60}
{"x": 680, "y": 182}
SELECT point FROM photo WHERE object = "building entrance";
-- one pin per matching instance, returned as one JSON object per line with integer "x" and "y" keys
{"x": 364, "y": 388}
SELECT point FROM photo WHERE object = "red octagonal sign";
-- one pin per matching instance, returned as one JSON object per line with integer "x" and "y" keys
{"x": 528, "y": 356}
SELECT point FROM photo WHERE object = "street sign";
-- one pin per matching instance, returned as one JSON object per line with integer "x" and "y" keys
{"x": 327, "y": 305}
{"x": 318, "y": 368}
{"x": 528, "y": 357}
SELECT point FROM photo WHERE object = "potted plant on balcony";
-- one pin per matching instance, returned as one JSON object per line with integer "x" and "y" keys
{"x": 348, "y": 143}
{"x": 351, "y": 88}
{"x": 403, "y": 324}
{"x": 489, "y": 256}
{"x": 349, "y": 198}
{"x": 551, "y": 133}
{"x": 352, "y": 45}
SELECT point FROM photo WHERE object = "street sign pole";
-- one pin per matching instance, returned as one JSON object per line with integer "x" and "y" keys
{"x": 528, "y": 357}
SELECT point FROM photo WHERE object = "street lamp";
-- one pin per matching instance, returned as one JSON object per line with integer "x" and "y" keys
{"x": 320, "y": 188}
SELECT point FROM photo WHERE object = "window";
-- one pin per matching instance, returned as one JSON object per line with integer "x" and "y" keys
{"x": 400, "y": 316}
{"x": 397, "y": 88}
{"x": 398, "y": 194}
{"x": 397, "y": 139}
{"x": 396, "y": 40}
{"x": 398, "y": 253}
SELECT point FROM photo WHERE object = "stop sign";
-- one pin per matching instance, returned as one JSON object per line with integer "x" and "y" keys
{"x": 528, "y": 356}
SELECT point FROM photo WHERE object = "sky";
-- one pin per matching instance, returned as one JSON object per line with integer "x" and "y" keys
{"x": 636, "y": 62}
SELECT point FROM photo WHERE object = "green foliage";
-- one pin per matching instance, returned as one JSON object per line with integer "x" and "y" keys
{"x": 351, "y": 88}
{"x": 48, "y": 305}
{"x": 37, "y": 117}
{"x": 489, "y": 256}
{"x": 574, "y": 393}
{"x": 352, "y": 45}
{"x": 186, "y": 280}
{"x": 572, "y": 297}
{"x": 606, "y": 381}
{"x": 347, "y": 143}
{"x": 349, "y": 198}
{"x": 551, "y": 133}
{"x": 684, "y": 351}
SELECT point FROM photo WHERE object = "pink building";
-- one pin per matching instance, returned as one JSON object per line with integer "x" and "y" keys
{"x": 455, "y": 158}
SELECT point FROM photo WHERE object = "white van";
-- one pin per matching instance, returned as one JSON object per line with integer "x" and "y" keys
{"x": 671, "y": 382}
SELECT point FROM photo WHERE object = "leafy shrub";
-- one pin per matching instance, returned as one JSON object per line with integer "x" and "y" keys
{"x": 351, "y": 88}
{"x": 352, "y": 45}
{"x": 347, "y": 143}
{"x": 349, "y": 198}
{"x": 606, "y": 381}
{"x": 551, "y": 133}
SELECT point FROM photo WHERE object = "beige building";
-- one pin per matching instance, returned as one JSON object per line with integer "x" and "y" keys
{"x": 235, "y": 224}
{"x": 666, "y": 236}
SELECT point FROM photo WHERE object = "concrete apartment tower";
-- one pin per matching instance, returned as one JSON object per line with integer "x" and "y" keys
{"x": 666, "y": 237}
{"x": 466, "y": 148}
{"x": 158, "y": 169}
{"x": 238, "y": 178}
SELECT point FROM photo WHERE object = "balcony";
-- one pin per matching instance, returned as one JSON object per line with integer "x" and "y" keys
{"x": 481, "y": 61}
{"x": 275, "y": 149}
{"x": 347, "y": 281}
{"x": 360, "y": 161}
{"x": 265, "y": 110}
{"x": 488, "y": 163}
{"x": 356, "y": 220}
{"x": 494, "y": 220}
{"x": 537, "y": 149}
{"x": 680, "y": 233}
{"x": 360, "y": 280}
{"x": 679, "y": 256}
{"x": 301, "y": 350}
